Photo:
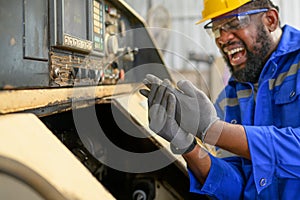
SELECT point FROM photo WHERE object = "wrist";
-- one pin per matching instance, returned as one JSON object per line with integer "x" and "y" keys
{"x": 189, "y": 148}
{"x": 212, "y": 123}
{"x": 214, "y": 132}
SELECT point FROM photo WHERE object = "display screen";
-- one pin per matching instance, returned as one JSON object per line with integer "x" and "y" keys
{"x": 75, "y": 18}
{"x": 98, "y": 25}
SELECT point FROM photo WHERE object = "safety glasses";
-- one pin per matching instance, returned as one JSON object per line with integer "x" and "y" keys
{"x": 231, "y": 22}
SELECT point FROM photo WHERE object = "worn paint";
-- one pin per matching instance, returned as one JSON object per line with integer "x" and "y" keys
{"x": 22, "y": 100}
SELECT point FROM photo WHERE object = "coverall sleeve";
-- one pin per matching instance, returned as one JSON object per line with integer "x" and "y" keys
{"x": 224, "y": 181}
{"x": 218, "y": 105}
{"x": 274, "y": 152}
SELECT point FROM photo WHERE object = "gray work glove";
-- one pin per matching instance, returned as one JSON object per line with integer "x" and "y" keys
{"x": 195, "y": 113}
{"x": 162, "y": 120}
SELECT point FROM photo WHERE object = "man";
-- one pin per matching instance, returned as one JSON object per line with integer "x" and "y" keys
{"x": 259, "y": 108}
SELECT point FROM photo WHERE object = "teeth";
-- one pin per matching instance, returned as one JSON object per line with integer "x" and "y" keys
{"x": 233, "y": 51}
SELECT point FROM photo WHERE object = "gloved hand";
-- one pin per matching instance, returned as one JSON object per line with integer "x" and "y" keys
{"x": 194, "y": 111}
{"x": 162, "y": 121}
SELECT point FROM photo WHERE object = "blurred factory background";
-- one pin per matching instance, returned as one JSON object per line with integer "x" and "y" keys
{"x": 187, "y": 48}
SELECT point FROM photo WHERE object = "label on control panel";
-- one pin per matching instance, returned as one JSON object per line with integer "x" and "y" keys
{"x": 77, "y": 43}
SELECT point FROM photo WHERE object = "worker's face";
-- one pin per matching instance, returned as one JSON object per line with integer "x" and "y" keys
{"x": 246, "y": 50}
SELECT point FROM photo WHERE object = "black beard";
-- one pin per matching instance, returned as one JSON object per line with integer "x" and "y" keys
{"x": 255, "y": 59}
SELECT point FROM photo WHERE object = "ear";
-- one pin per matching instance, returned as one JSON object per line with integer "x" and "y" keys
{"x": 271, "y": 19}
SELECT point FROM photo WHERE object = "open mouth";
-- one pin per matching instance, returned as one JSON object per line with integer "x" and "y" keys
{"x": 236, "y": 56}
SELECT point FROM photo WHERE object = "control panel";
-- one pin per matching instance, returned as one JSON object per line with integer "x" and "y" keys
{"x": 98, "y": 54}
{"x": 63, "y": 43}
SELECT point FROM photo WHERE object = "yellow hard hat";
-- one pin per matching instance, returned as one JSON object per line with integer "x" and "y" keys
{"x": 215, "y": 8}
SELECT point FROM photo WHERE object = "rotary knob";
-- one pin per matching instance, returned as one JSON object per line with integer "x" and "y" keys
{"x": 112, "y": 44}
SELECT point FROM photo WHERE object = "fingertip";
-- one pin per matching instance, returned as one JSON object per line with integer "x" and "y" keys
{"x": 146, "y": 81}
{"x": 179, "y": 83}
{"x": 149, "y": 75}
{"x": 183, "y": 83}
{"x": 153, "y": 79}
{"x": 166, "y": 83}
{"x": 171, "y": 98}
{"x": 186, "y": 87}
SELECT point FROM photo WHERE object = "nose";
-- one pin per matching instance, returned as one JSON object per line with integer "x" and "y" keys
{"x": 225, "y": 37}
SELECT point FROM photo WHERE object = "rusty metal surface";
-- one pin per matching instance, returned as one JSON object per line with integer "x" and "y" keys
{"x": 22, "y": 100}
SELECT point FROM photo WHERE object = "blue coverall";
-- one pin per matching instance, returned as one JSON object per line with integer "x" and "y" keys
{"x": 270, "y": 114}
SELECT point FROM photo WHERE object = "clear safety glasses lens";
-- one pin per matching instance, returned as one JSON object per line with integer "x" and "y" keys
{"x": 232, "y": 24}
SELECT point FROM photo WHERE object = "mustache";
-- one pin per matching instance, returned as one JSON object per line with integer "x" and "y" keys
{"x": 229, "y": 43}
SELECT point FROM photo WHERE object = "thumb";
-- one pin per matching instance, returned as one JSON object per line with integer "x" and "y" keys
{"x": 187, "y": 87}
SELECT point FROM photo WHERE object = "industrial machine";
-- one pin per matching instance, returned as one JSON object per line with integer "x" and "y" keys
{"x": 72, "y": 123}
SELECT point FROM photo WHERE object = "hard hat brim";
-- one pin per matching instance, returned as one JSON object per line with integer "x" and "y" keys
{"x": 220, "y": 13}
